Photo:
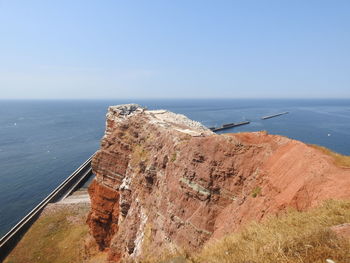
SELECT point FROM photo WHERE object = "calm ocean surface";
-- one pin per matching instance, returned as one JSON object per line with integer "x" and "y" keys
{"x": 43, "y": 142}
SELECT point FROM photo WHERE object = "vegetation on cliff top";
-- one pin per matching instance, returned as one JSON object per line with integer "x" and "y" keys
{"x": 339, "y": 159}
{"x": 293, "y": 237}
{"x": 59, "y": 235}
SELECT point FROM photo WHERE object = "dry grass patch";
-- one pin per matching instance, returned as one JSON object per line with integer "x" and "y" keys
{"x": 57, "y": 236}
{"x": 139, "y": 154}
{"x": 295, "y": 237}
{"x": 339, "y": 159}
{"x": 173, "y": 157}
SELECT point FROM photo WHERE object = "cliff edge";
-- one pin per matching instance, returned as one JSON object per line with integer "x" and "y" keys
{"x": 164, "y": 182}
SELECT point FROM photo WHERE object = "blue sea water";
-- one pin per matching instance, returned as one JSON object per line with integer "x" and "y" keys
{"x": 43, "y": 142}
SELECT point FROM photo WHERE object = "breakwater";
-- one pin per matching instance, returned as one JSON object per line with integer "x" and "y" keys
{"x": 274, "y": 115}
{"x": 228, "y": 126}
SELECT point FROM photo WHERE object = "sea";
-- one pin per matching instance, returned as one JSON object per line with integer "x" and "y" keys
{"x": 43, "y": 142}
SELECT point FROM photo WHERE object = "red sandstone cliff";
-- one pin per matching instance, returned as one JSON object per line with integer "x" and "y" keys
{"x": 166, "y": 182}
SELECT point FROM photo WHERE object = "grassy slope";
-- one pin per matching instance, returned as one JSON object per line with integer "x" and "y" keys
{"x": 339, "y": 159}
{"x": 295, "y": 237}
{"x": 292, "y": 237}
{"x": 57, "y": 236}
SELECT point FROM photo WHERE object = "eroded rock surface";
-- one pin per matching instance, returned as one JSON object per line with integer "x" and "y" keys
{"x": 164, "y": 182}
{"x": 342, "y": 230}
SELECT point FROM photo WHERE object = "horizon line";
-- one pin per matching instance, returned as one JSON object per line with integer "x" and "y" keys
{"x": 178, "y": 98}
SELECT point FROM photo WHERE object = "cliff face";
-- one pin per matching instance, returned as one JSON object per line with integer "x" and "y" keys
{"x": 164, "y": 182}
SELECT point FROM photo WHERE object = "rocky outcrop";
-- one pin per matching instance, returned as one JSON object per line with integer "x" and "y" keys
{"x": 342, "y": 231}
{"x": 164, "y": 182}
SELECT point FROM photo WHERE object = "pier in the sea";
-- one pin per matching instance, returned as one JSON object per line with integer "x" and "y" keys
{"x": 228, "y": 126}
{"x": 274, "y": 115}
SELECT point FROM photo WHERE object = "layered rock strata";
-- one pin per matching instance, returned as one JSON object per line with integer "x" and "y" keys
{"x": 164, "y": 182}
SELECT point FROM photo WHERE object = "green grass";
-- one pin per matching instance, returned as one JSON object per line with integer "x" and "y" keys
{"x": 173, "y": 157}
{"x": 256, "y": 191}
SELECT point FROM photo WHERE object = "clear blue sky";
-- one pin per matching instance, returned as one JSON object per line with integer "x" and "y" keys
{"x": 174, "y": 49}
